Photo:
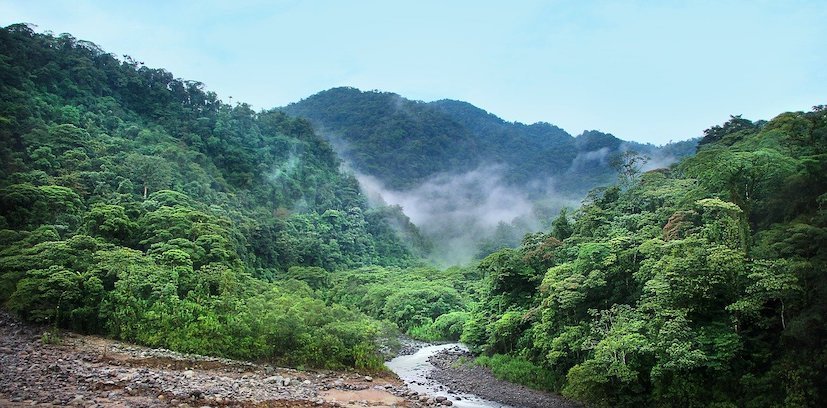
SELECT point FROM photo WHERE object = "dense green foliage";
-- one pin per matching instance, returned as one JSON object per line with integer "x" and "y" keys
{"x": 518, "y": 370}
{"x": 404, "y": 142}
{"x": 475, "y": 182}
{"x": 136, "y": 204}
{"x": 424, "y": 302}
{"x": 695, "y": 286}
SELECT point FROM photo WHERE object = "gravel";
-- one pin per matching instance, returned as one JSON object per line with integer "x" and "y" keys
{"x": 452, "y": 368}
{"x": 89, "y": 371}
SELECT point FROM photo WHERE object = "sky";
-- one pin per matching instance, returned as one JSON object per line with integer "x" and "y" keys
{"x": 649, "y": 71}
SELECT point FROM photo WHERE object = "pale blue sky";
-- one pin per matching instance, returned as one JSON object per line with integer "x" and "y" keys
{"x": 650, "y": 71}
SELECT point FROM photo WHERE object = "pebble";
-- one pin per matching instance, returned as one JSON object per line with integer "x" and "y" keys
{"x": 480, "y": 381}
{"x": 78, "y": 373}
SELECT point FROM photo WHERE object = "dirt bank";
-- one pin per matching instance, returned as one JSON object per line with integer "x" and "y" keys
{"x": 89, "y": 371}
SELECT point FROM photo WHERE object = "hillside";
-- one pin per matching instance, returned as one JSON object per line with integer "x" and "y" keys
{"x": 404, "y": 143}
{"x": 471, "y": 182}
{"x": 138, "y": 205}
{"x": 700, "y": 285}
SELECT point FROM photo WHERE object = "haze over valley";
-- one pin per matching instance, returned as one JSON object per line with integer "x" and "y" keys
{"x": 339, "y": 234}
{"x": 472, "y": 182}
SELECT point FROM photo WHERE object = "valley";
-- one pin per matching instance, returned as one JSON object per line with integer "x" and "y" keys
{"x": 159, "y": 246}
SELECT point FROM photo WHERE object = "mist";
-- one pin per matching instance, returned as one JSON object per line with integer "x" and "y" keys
{"x": 460, "y": 211}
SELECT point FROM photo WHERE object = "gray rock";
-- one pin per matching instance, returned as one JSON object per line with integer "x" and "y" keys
{"x": 277, "y": 379}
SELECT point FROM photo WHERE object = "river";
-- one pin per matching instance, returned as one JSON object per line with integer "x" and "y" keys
{"x": 413, "y": 369}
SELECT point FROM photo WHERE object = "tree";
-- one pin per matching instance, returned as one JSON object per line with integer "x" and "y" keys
{"x": 110, "y": 222}
{"x": 148, "y": 171}
{"x": 733, "y": 125}
{"x": 628, "y": 165}
{"x": 769, "y": 281}
{"x": 561, "y": 227}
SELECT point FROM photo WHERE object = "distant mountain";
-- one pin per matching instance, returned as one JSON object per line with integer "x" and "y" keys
{"x": 404, "y": 143}
{"x": 470, "y": 180}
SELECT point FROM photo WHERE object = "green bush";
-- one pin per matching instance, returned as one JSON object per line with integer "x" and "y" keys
{"x": 424, "y": 332}
{"x": 449, "y": 325}
{"x": 520, "y": 371}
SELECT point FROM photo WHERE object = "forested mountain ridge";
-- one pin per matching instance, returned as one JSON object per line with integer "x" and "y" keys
{"x": 699, "y": 285}
{"x": 471, "y": 182}
{"x": 137, "y": 204}
{"x": 404, "y": 142}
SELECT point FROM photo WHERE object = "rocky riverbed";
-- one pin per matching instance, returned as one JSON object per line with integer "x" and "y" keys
{"x": 454, "y": 370}
{"x": 89, "y": 371}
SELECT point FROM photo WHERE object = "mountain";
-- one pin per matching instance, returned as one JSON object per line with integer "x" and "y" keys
{"x": 469, "y": 180}
{"x": 138, "y": 205}
{"x": 404, "y": 143}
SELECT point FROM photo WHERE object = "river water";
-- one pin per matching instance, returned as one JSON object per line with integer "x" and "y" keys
{"x": 413, "y": 370}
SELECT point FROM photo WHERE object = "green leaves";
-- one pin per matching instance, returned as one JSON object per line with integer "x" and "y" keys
{"x": 111, "y": 223}
{"x": 693, "y": 287}
{"x": 27, "y": 206}
{"x": 768, "y": 282}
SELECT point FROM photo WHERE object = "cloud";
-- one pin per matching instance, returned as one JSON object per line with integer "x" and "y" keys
{"x": 590, "y": 160}
{"x": 459, "y": 211}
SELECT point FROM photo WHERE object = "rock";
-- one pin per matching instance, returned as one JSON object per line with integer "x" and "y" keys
{"x": 277, "y": 379}
{"x": 440, "y": 398}
{"x": 368, "y": 378}
{"x": 285, "y": 382}
{"x": 189, "y": 373}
